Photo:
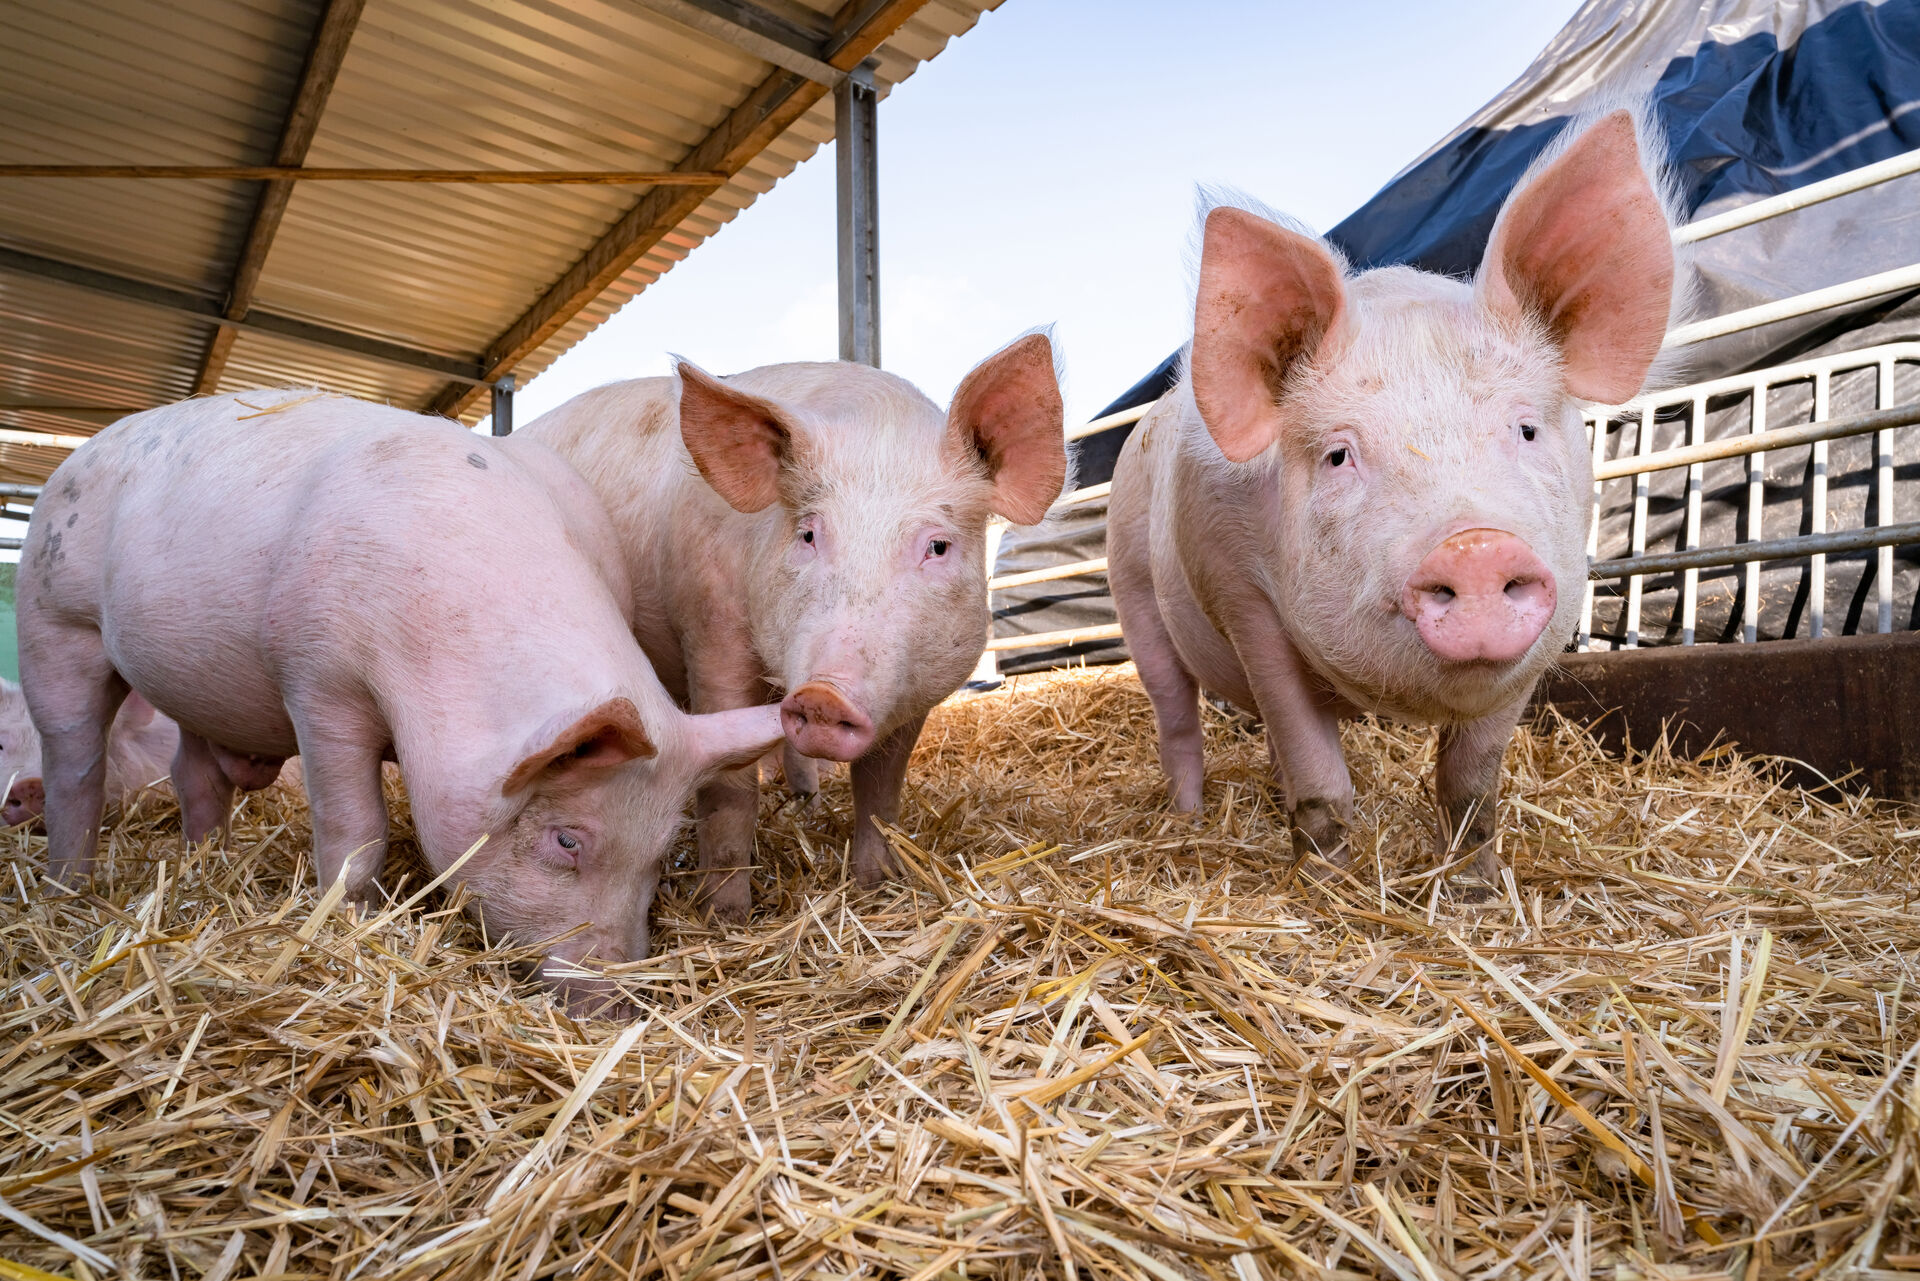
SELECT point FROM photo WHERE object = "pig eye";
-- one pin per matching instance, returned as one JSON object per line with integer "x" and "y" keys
{"x": 938, "y": 547}
{"x": 806, "y": 536}
{"x": 1528, "y": 431}
{"x": 1337, "y": 457}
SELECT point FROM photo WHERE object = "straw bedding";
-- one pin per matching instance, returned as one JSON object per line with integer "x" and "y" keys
{"x": 1082, "y": 1037}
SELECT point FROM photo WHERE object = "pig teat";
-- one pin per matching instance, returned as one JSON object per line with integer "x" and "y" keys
{"x": 822, "y": 722}
{"x": 1482, "y": 595}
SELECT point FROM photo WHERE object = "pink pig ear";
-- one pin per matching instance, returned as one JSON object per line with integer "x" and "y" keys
{"x": 737, "y": 441}
{"x": 609, "y": 735}
{"x": 1268, "y": 297}
{"x": 1584, "y": 247}
{"x": 1008, "y": 410}
{"x": 741, "y": 736}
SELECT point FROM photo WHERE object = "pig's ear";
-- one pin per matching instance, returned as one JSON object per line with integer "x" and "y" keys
{"x": 1584, "y": 248}
{"x": 725, "y": 740}
{"x": 737, "y": 441}
{"x": 1268, "y": 297}
{"x": 1008, "y": 411}
{"x": 609, "y": 735}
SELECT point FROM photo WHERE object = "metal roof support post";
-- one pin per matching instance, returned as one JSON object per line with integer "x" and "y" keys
{"x": 503, "y": 405}
{"x": 856, "y": 157}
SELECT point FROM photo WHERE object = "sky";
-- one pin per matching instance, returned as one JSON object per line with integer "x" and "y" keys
{"x": 1042, "y": 171}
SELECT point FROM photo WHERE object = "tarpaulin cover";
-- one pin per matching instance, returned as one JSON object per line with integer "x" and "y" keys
{"x": 1755, "y": 98}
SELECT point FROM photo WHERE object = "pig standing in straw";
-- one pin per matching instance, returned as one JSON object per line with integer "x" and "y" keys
{"x": 833, "y": 553}
{"x": 346, "y": 580}
{"x": 1370, "y": 492}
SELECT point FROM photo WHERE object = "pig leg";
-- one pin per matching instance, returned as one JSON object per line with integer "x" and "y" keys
{"x": 74, "y": 705}
{"x": 205, "y": 791}
{"x": 1170, "y": 688}
{"x": 349, "y": 816}
{"x": 725, "y": 812}
{"x": 877, "y": 779}
{"x": 727, "y": 809}
{"x": 1303, "y": 738}
{"x": 1466, "y": 786}
{"x": 801, "y": 772}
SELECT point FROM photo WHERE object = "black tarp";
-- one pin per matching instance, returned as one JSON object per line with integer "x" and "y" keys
{"x": 1754, "y": 99}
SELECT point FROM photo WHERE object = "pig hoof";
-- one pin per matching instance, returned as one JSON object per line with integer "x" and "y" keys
{"x": 726, "y": 907}
{"x": 1319, "y": 836}
{"x": 874, "y": 862}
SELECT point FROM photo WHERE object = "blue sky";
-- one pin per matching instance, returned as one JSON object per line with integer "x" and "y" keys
{"x": 1042, "y": 170}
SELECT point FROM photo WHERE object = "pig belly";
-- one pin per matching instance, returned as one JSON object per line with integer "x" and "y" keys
{"x": 220, "y": 692}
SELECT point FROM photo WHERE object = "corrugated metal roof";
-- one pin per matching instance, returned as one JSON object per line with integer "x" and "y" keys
{"x": 424, "y": 84}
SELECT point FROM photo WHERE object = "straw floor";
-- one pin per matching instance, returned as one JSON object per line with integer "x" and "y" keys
{"x": 1082, "y": 1037}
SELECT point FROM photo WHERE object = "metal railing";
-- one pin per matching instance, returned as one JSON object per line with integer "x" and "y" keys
{"x": 1694, "y": 455}
{"x": 1883, "y": 535}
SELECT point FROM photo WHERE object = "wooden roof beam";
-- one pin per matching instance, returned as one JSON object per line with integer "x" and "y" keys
{"x": 324, "y": 56}
{"x": 284, "y": 173}
{"x": 753, "y": 30}
{"x": 858, "y": 30}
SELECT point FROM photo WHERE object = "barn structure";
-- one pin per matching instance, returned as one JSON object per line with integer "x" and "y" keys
{"x": 417, "y": 201}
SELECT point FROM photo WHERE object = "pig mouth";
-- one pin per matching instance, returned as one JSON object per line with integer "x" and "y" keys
{"x": 822, "y": 722}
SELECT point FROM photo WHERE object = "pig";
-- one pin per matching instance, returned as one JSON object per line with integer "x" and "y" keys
{"x": 815, "y": 533}
{"x": 139, "y": 749}
{"x": 1369, "y": 492}
{"x": 287, "y": 572}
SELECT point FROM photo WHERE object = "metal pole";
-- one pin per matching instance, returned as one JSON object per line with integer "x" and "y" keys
{"x": 857, "y": 160}
{"x": 503, "y": 406}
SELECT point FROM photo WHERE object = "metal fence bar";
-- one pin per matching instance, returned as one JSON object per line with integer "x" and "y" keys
{"x": 1779, "y": 438}
{"x": 12, "y": 544}
{"x": 1811, "y": 194}
{"x": 1756, "y": 511}
{"x": 1840, "y": 295}
{"x": 1072, "y": 569}
{"x": 1846, "y": 540}
{"x": 1120, "y": 419}
{"x": 1696, "y": 474}
{"x": 20, "y": 491}
{"x": 1817, "y": 503}
{"x": 1584, "y": 641}
{"x": 1883, "y": 483}
{"x": 1041, "y": 640}
{"x": 1637, "y": 532}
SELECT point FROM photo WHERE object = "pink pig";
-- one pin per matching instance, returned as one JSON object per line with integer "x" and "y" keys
{"x": 833, "y": 554}
{"x": 346, "y": 581}
{"x": 1370, "y": 492}
{"x": 139, "y": 753}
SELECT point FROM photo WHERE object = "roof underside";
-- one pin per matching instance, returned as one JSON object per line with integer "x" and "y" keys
{"x": 471, "y": 281}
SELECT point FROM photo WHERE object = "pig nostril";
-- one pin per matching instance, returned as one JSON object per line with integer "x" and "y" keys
{"x": 1443, "y": 594}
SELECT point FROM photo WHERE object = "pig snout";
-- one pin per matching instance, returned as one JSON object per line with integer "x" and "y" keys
{"x": 1482, "y": 596}
{"x": 822, "y": 722}
{"x": 26, "y": 800}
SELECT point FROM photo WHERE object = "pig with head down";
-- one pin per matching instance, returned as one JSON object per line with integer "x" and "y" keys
{"x": 140, "y": 750}
{"x": 815, "y": 533}
{"x": 1369, "y": 492}
{"x": 297, "y": 573}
